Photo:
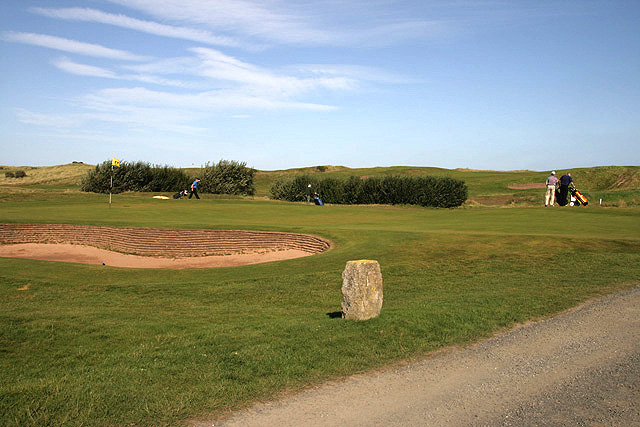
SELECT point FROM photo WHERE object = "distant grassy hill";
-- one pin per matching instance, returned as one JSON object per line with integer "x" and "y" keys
{"x": 61, "y": 176}
{"x": 616, "y": 185}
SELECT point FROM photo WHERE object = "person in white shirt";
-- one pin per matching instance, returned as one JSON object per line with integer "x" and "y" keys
{"x": 550, "y": 197}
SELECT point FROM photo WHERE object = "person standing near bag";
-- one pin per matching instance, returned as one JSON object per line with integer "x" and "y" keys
{"x": 550, "y": 196}
{"x": 308, "y": 193}
{"x": 565, "y": 182}
{"x": 194, "y": 189}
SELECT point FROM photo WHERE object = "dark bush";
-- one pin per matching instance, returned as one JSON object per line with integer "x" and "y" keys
{"x": 352, "y": 191}
{"x": 15, "y": 174}
{"x": 228, "y": 177}
{"x": 136, "y": 176}
{"x": 165, "y": 178}
{"x": 395, "y": 190}
{"x": 293, "y": 189}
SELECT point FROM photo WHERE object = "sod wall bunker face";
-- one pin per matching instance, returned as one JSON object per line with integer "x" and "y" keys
{"x": 167, "y": 243}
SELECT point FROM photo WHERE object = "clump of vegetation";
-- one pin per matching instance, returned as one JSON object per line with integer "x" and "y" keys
{"x": 15, "y": 174}
{"x": 430, "y": 191}
{"x": 228, "y": 177}
{"x": 134, "y": 176}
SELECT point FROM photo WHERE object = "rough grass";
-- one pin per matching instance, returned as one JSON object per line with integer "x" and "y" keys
{"x": 61, "y": 175}
{"x": 89, "y": 345}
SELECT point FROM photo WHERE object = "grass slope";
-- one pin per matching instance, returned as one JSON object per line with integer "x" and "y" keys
{"x": 68, "y": 175}
{"x": 107, "y": 346}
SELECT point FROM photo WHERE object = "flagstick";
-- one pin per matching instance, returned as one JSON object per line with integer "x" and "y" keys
{"x": 111, "y": 186}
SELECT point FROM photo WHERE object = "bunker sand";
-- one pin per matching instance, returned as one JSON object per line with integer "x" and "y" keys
{"x": 66, "y": 252}
{"x": 153, "y": 247}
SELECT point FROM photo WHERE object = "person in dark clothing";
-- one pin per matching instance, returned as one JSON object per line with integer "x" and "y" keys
{"x": 565, "y": 182}
{"x": 194, "y": 189}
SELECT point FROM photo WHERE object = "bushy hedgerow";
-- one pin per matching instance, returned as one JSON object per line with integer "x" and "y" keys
{"x": 136, "y": 176}
{"x": 228, "y": 177}
{"x": 424, "y": 190}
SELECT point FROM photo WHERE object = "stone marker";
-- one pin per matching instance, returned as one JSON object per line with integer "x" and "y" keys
{"x": 361, "y": 290}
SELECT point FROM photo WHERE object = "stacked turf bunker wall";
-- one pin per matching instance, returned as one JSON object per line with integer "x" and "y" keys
{"x": 162, "y": 242}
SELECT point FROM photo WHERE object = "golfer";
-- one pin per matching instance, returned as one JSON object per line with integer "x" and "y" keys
{"x": 565, "y": 182}
{"x": 194, "y": 189}
{"x": 308, "y": 193}
{"x": 550, "y": 197}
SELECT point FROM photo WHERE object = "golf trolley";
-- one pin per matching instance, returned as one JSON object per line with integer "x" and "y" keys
{"x": 577, "y": 198}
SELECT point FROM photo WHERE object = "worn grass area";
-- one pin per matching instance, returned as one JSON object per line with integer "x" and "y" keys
{"x": 93, "y": 345}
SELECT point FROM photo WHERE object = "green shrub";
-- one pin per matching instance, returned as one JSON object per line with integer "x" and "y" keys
{"x": 138, "y": 176}
{"x": 293, "y": 189}
{"x": 394, "y": 190}
{"x": 9, "y": 174}
{"x": 165, "y": 178}
{"x": 228, "y": 177}
{"x": 352, "y": 190}
{"x": 20, "y": 174}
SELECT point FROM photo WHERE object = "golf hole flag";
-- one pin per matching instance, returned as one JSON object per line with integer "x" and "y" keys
{"x": 115, "y": 162}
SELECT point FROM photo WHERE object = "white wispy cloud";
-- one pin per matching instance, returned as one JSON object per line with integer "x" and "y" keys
{"x": 239, "y": 16}
{"x": 46, "y": 119}
{"x": 355, "y": 73}
{"x": 71, "y": 46}
{"x": 76, "y": 68}
{"x": 146, "y": 110}
{"x": 206, "y": 102}
{"x": 83, "y": 69}
{"x": 180, "y": 32}
{"x": 223, "y": 71}
{"x": 219, "y": 66}
{"x": 328, "y": 22}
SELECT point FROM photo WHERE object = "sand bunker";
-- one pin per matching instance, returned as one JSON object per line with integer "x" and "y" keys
{"x": 153, "y": 247}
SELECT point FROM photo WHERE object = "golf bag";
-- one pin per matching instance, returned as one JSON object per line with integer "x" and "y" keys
{"x": 577, "y": 198}
{"x": 180, "y": 194}
{"x": 317, "y": 200}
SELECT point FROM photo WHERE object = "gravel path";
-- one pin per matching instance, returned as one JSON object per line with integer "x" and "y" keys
{"x": 579, "y": 368}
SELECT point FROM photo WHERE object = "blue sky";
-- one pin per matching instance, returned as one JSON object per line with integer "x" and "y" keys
{"x": 484, "y": 84}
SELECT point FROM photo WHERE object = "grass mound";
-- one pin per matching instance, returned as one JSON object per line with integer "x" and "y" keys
{"x": 61, "y": 175}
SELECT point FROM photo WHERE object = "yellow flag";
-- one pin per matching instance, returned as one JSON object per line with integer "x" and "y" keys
{"x": 115, "y": 162}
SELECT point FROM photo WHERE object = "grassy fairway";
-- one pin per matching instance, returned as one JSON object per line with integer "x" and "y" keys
{"x": 96, "y": 345}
